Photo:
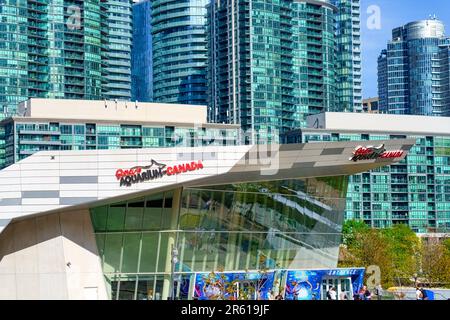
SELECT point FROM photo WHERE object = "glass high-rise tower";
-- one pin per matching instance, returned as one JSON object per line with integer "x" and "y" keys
{"x": 142, "y": 53}
{"x": 118, "y": 34}
{"x": 64, "y": 49}
{"x": 444, "y": 59}
{"x": 273, "y": 63}
{"x": 13, "y": 54}
{"x": 179, "y": 51}
{"x": 348, "y": 68}
{"x": 413, "y": 70}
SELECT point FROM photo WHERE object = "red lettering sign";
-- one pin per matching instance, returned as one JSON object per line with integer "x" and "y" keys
{"x": 371, "y": 153}
{"x": 183, "y": 168}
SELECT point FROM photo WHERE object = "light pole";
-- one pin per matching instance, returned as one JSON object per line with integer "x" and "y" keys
{"x": 174, "y": 260}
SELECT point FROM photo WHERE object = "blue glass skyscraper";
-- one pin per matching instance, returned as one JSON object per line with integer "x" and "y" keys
{"x": 412, "y": 71}
{"x": 179, "y": 51}
{"x": 272, "y": 63}
{"x": 348, "y": 60}
{"x": 141, "y": 54}
{"x": 444, "y": 60}
{"x": 117, "y": 30}
{"x": 64, "y": 49}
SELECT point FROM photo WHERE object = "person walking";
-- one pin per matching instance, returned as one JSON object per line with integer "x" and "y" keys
{"x": 361, "y": 293}
{"x": 379, "y": 292}
{"x": 424, "y": 294}
{"x": 343, "y": 295}
{"x": 419, "y": 295}
{"x": 366, "y": 294}
{"x": 332, "y": 294}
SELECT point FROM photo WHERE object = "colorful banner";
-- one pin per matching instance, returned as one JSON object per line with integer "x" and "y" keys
{"x": 298, "y": 285}
{"x": 233, "y": 286}
{"x": 306, "y": 284}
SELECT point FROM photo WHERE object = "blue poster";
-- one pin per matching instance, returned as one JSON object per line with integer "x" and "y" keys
{"x": 303, "y": 285}
{"x": 306, "y": 284}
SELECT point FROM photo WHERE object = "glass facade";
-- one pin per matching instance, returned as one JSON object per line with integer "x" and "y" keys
{"x": 415, "y": 191}
{"x": 348, "y": 61}
{"x": 444, "y": 77}
{"x": 56, "y": 49}
{"x": 141, "y": 53}
{"x": 13, "y": 55}
{"x": 383, "y": 86}
{"x": 24, "y": 138}
{"x": 179, "y": 51}
{"x": 117, "y": 40}
{"x": 271, "y": 63}
{"x": 278, "y": 225}
{"x": 413, "y": 71}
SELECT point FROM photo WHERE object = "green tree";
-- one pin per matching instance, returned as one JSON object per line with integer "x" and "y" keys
{"x": 351, "y": 229}
{"x": 363, "y": 247}
{"x": 435, "y": 263}
{"x": 405, "y": 249}
{"x": 367, "y": 248}
{"x": 446, "y": 244}
{"x": 395, "y": 250}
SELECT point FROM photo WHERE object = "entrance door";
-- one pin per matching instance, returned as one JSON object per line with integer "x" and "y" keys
{"x": 341, "y": 284}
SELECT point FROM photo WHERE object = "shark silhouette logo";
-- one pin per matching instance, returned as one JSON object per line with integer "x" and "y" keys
{"x": 371, "y": 153}
{"x": 154, "y": 170}
{"x": 153, "y": 165}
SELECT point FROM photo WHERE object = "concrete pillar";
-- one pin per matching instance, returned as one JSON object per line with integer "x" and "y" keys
{"x": 51, "y": 257}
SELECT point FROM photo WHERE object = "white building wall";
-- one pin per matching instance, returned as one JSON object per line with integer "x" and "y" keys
{"x": 51, "y": 257}
{"x": 370, "y": 122}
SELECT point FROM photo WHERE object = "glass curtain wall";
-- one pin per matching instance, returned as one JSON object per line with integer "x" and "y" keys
{"x": 278, "y": 225}
{"x": 415, "y": 191}
{"x": 22, "y": 139}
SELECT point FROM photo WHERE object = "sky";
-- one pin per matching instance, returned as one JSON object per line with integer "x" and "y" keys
{"x": 393, "y": 13}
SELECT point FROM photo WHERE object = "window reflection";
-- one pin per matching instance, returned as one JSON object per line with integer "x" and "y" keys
{"x": 286, "y": 224}
{"x": 127, "y": 288}
{"x": 149, "y": 287}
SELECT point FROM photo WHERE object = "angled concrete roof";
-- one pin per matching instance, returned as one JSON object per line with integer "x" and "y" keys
{"x": 60, "y": 180}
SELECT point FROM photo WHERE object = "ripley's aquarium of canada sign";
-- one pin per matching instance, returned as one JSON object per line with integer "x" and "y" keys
{"x": 154, "y": 170}
{"x": 372, "y": 153}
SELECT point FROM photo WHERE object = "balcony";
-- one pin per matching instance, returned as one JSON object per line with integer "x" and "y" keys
{"x": 40, "y": 132}
{"x": 40, "y": 142}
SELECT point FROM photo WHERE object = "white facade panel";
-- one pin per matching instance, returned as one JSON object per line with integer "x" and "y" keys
{"x": 75, "y": 171}
{"x": 49, "y": 201}
{"x": 39, "y": 180}
{"x": 371, "y": 122}
{"x": 79, "y": 193}
{"x": 42, "y": 186}
{"x": 38, "y": 173}
{"x": 10, "y": 194}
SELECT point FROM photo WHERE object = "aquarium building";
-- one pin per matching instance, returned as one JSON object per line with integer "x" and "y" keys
{"x": 103, "y": 224}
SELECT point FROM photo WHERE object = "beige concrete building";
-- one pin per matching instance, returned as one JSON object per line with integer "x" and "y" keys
{"x": 54, "y": 124}
{"x": 370, "y": 105}
{"x": 116, "y": 111}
